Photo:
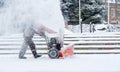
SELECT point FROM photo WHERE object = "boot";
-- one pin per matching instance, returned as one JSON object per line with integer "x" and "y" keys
{"x": 22, "y": 57}
{"x": 33, "y": 49}
{"x": 35, "y": 54}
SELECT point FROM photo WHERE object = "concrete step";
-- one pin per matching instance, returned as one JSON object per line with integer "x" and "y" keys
{"x": 71, "y": 36}
{"x": 65, "y": 39}
{"x": 65, "y": 42}
{"x": 5, "y": 52}
{"x": 76, "y": 46}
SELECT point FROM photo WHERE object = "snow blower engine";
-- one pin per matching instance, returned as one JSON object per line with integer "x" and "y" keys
{"x": 54, "y": 47}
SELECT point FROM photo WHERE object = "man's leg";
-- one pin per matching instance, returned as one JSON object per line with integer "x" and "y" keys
{"x": 28, "y": 32}
{"x": 28, "y": 35}
{"x": 32, "y": 47}
{"x": 23, "y": 50}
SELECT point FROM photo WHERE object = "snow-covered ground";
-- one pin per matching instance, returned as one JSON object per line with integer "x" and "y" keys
{"x": 16, "y": 13}
{"x": 78, "y": 63}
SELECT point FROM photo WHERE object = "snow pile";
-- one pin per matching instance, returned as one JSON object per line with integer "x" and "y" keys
{"x": 17, "y": 13}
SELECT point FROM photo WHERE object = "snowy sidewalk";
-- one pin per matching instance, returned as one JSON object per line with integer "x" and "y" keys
{"x": 110, "y": 62}
{"x": 78, "y": 63}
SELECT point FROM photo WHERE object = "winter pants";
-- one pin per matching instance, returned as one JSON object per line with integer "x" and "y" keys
{"x": 28, "y": 35}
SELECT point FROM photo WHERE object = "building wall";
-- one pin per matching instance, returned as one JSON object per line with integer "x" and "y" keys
{"x": 114, "y": 11}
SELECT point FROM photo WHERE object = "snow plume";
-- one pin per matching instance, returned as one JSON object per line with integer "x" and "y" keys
{"x": 17, "y": 13}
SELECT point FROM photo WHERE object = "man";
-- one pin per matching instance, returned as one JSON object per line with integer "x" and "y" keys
{"x": 46, "y": 19}
{"x": 29, "y": 32}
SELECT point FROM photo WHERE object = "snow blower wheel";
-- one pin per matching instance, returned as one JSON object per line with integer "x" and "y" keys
{"x": 53, "y": 53}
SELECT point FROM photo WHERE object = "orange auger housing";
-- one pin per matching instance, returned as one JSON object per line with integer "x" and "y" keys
{"x": 67, "y": 51}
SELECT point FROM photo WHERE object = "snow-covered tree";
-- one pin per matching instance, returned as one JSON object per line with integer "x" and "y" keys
{"x": 70, "y": 10}
{"x": 92, "y": 11}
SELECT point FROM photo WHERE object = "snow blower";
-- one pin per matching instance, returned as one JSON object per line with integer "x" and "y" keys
{"x": 55, "y": 49}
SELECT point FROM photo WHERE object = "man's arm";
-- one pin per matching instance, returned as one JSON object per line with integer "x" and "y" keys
{"x": 42, "y": 29}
